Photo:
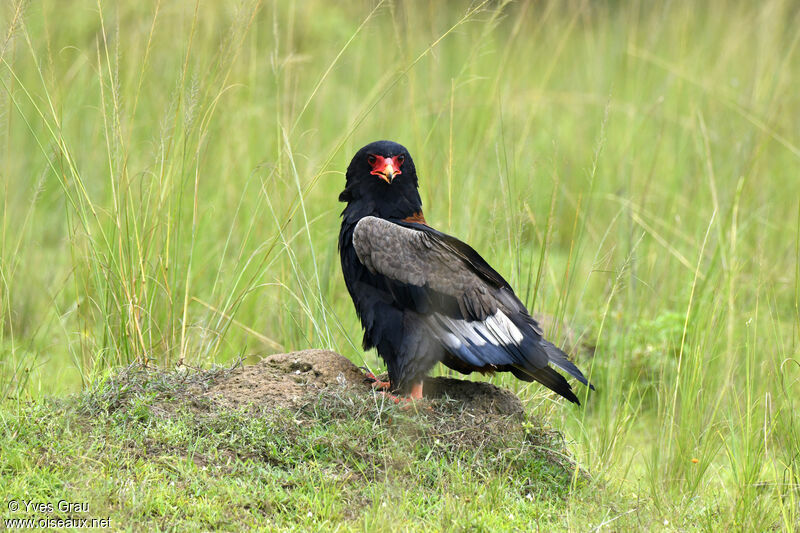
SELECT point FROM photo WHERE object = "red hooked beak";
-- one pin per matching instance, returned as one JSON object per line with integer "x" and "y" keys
{"x": 386, "y": 168}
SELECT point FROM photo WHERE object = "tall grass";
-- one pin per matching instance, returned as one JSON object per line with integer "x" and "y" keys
{"x": 170, "y": 174}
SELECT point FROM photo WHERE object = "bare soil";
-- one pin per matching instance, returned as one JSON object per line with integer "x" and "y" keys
{"x": 291, "y": 380}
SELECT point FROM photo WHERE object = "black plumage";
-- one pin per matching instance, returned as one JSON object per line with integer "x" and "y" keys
{"x": 425, "y": 297}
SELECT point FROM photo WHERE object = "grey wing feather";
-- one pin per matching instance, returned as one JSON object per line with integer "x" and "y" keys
{"x": 483, "y": 334}
{"x": 415, "y": 258}
{"x": 385, "y": 247}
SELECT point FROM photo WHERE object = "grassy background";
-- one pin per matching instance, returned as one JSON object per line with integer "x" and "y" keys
{"x": 170, "y": 174}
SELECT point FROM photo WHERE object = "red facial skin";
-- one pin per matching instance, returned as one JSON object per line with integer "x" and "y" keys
{"x": 386, "y": 168}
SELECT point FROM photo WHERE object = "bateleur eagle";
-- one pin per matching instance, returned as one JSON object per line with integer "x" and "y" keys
{"x": 425, "y": 297}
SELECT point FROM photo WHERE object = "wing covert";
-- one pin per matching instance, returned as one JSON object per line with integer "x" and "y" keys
{"x": 420, "y": 259}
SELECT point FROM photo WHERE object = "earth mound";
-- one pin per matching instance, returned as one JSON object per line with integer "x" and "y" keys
{"x": 291, "y": 380}
{"x": 294, "y": 398}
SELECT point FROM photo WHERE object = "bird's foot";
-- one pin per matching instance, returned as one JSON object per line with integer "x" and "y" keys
{"x": 393, "y": 398}
{"x": 406, "y": 403}
{"x": 376, "y": 383}
{"x": 414, "y": 397}
{"x": 384, "y": 388}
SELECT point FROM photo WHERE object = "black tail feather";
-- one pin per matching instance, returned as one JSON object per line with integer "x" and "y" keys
{"x": 549, "y": 378}
{"x": 559, "y": 358}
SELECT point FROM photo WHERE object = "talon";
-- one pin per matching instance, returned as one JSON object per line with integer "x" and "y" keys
{"x": 384, "y": 388}
{"x": 414, "y": 396}
{"x": 410, "y": 401}
{"x": 377, "y": 384}
{"x": 391, "y": 397}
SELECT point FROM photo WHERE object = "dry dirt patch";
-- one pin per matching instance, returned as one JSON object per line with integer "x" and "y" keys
{"x": 290, "y": 380}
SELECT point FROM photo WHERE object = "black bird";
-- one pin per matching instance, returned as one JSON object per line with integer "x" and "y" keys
{"x": 425, "y": 297}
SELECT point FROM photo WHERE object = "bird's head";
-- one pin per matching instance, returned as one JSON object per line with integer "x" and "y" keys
{"x": 382, "y": 173}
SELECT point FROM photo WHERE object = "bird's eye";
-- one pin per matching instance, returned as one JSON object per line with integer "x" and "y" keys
{"x": 400, "y": 160}
{"x": 371, "y": 159}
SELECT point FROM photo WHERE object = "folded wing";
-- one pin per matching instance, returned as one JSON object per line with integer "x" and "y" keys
{"x": 464, "y": 303}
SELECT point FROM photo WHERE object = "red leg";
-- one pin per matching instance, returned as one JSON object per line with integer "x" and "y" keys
{"x": 416, "y": 391}
{"x": 414, "y": 396}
